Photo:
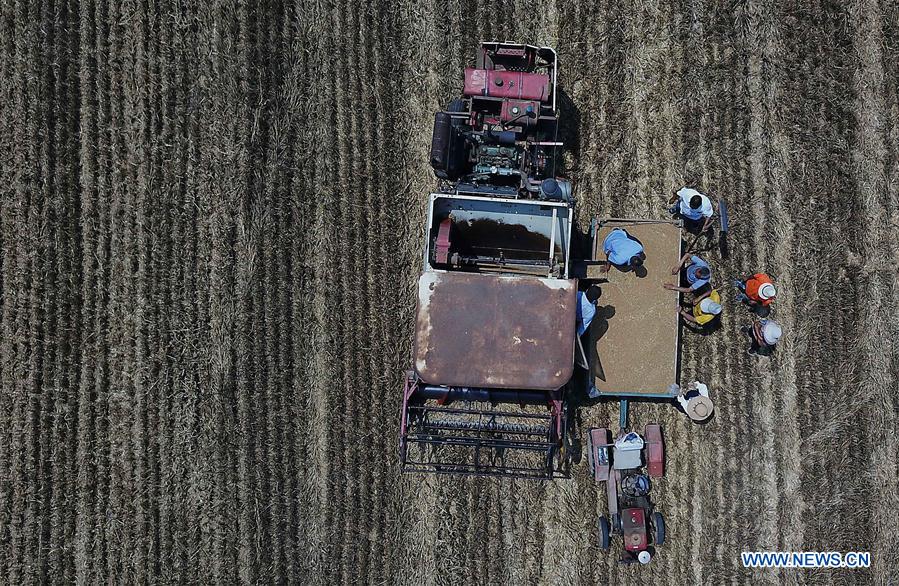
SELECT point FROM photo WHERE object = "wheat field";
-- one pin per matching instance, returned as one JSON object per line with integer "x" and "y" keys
{"x": 211, "y": 218}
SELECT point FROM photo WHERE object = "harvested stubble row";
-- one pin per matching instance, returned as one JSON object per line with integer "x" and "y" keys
{"x": 210, "y": 224}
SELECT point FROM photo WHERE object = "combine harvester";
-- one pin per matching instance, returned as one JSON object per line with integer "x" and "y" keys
{"x": 494, "y": 350}
{"x": 495, "y": 343}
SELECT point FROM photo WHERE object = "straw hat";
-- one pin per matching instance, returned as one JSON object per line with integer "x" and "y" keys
{"x": 644, "y": 557}
{"x": 767, "y": 291}
{"x": 700, "y": 408}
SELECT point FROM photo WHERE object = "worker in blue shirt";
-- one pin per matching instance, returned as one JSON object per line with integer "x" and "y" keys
{"x": 698, "y": 274}
{"x": 586, "y": 307}
{"x": 622, "y": 250}
{"x": 586, "y": 311}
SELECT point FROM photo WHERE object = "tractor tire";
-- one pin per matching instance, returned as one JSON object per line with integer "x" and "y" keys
{"x": 659, "y": 524}
{"x": 605, "y": 533}
{"x": 457, "y": 105}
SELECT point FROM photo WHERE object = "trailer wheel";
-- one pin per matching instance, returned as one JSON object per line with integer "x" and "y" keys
{"x": 659, "y": 523}
{"x": 605, "y": 533}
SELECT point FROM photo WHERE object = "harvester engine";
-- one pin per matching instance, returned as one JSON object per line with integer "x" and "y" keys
{"x": 500, "y": 137}
{"x": 498, "y": 160}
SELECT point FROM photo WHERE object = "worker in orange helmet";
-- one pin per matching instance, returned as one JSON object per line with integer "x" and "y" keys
{"x": 757, "y": 291}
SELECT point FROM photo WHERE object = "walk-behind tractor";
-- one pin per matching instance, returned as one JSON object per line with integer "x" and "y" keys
{"x": 495, "y": 322}
{"x": 627, "y": 466}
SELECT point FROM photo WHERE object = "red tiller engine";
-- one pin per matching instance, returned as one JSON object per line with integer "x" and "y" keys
{"x": 633, "y": 525}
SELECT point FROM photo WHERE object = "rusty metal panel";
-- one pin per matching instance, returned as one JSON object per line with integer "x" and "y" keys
{"x": 655, "y": 450}
{"x": 478, "y": 330}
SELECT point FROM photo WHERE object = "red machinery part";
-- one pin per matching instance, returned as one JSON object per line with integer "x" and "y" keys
{"x": 507, "y": 84}
{"x": 655, "y": 450}
{"x": 599, "y": 442}
{"x": 517, "y": 109}
{"x": 442, "y": 245}
{"x": 633, "y": 526}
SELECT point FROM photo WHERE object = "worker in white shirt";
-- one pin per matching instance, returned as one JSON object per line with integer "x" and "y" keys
{"x": 694, "y": 207}
{"x": 695, "y": 402}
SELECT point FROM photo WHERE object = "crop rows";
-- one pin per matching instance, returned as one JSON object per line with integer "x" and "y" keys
{"x": 211, "y": 222}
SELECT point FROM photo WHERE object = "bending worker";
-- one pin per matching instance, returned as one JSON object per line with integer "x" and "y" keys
{"x": 757, "y": 290}
{"x": 586, "y": 307}
{"x": 694, "y": 400}
{"x": 586, "y": 311}
{"x": 694, "y": 207}
{"x": 706, "y": 307}
{"x": 698, "y": 274}
{"x": 622, "y": 250}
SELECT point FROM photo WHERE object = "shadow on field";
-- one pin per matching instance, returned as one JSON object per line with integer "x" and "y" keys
{"x": 569, "y": 130}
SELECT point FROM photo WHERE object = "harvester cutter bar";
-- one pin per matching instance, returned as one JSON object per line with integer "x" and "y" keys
{"x": 457, "y": 440}
{"x": 472, "y": 470}
{"x": 459, "y": 411}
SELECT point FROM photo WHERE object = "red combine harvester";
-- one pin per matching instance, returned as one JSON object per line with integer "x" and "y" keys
{"x": 495, "y": 322}
{"x": 631, "y": 512}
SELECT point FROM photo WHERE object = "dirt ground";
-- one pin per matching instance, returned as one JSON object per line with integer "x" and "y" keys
{"x": 211, "y": 218}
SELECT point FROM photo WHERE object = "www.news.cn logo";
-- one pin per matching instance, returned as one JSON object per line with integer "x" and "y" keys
{"x": 805, "y": 559}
